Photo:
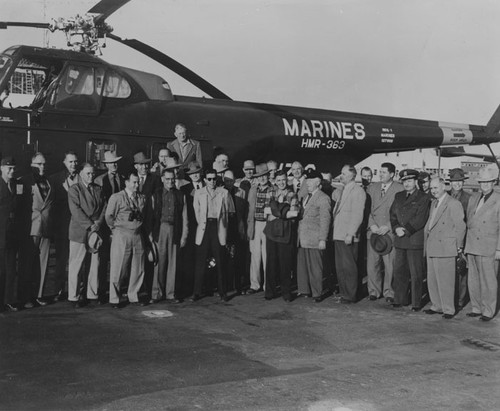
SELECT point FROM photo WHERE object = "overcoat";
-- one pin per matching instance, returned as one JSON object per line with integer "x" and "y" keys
{"x": 315, "y": 221}
{"x": 381, "y": 205}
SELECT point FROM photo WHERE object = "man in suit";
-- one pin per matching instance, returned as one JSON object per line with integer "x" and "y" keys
{"x": 9, "y": 239}
{"x": 186, "y": 148}
{"x": 86, "y": 204}
{"x": 382, "y": 196}
{"x": 148, "y": 184}
{"x": 347, "y": 219}
{"x": 61, "y": 183}
{"x": 170, "y": 231}
{"x": 409, "y": 213}
{"x": 444, "y": 236}
{"x": 299, "y": 180}
{"x": 259, "y": 201}
{"x": 482, "y": 245}
{"x": 125, "y": 217}
{"x": 111, "y": 183}
{"x": 212, "y": 206}
{"x": 247, "y": 181}
{"x": 457, "y": 178}
{"x": 35, "y": 205}
{"x": 314, "y": 225}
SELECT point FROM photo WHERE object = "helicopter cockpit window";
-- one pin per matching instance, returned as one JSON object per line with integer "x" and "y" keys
{"x": 5, "y": 63}
{"x": 116, "y": 86}
{"x": 79, "y": 88}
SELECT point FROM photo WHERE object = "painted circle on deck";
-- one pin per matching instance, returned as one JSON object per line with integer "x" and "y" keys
{"x": 158, "y": 313}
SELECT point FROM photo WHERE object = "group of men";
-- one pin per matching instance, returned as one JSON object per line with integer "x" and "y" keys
{"x": 160, "y": 229}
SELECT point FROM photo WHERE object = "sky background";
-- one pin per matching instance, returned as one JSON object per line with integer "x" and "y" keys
{"x": 435, "y": 60}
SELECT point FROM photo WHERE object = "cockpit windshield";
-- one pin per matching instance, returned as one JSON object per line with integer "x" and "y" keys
{"x": 5, "y": 63}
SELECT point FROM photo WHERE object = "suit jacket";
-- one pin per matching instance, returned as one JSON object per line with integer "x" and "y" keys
{"x": 252, "y": 202}
{"x": 464, "y": 198}
{"x": 36, "y": 211}
{"x": 189, "y": 191}
{"x": 483, "y": 226}
{"x": 348, "y": 212}
{"x": 238, "y": 221}
{"x": 446, "y": 232}
{"x": 411, "y": 214}
{"x": 315, "y": 221}
{"x": 224, "y": 206}
{"x": 107, "y": 190}
{"x": 303, "y": 191}
{"x": 60, "y": 207}
{"x": 8, "y": 202}
{"x": 180, "y": 215}
{"x": 85, "y": 209}
{"x": 380, "y": 207}
{"x": 194, "y": 153}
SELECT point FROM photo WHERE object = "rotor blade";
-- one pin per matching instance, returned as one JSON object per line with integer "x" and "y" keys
{"x": 5, "y": 24}
{"x": 173, "y": 65}
{"x": 494, "y": 124}
{"x": 106, "y": 8}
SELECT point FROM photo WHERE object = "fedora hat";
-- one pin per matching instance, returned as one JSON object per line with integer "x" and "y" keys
{"x": 408, "y": 173}
{"x": 8, "y": 161}
{"x": 312, "y": 173}
{"x": 94, "y": 242}
{"x": 110, "y": 157}
{"x": 457, "y": 174}
{"x": 171, "y": 163}
{"x": 261, "y": 170}
{"x": 381, "y": 244}
{"x": 140, "y": 158}
{"x": 488, "y": 173}
{"x": 248, "y": 165}
{"x": 193, "y": 168}
{"x": 152, "y": 252}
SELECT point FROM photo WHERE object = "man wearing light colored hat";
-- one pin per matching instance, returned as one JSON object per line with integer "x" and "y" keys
{"x": 259, "y": 201}
{"x": 248, "y": 180}
{"x": 457, "y": 178}
{"x": 482, "y": 245}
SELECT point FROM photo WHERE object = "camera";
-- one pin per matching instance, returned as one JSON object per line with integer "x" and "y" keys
{"x": 135, "y": 215}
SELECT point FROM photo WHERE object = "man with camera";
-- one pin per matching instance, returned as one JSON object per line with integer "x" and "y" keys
{"x": 124, "y": 216}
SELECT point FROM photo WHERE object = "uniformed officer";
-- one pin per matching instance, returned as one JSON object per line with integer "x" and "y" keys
{"x": 408, "y": 214}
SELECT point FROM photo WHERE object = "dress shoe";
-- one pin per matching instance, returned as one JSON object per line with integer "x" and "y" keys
{"x": 448, "y": 316}
{"x": 194, "y": 298}
{"x": 173, "y": 300}
{"x": 224, "y": 298}
{"x": 345, "y": 301}
{"x": 372, "y": 298}
{"x": 76, "y": 304}
{"x": 318, "y": 299}
{"x": 28, "y": 305}
{"x": 251, "y": 291}
{"x": 138, "y": 304}
{"x": 389, "y": 300}
{"x": 472, "y": 314}
{"x": 40, "y": 302}
{"x": 113, "y": 305}
{"x": 268, "y": 298}
{"x": 154, "y": 301}
{"x": 395, "y": 305}
{"x": 485, "y": 318}
{"x": 303, "y": 295}
{"x": 61, "y": 296}
{"x": 11, "y": 308}
{"x": 431, "y": 311}
{"x": 416, "y": 309}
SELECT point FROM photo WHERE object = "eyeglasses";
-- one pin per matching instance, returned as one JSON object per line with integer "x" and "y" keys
{"x": 211, "y": 178}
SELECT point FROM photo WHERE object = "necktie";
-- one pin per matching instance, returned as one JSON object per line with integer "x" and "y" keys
{"x": 298, "y": 187}
{"x": 382, "y": 192}
{"x": 115, "y": 184}
{"x": 309, "y": 195}
{"x": 141, "y": 184}
{"x": 480, "y": 204}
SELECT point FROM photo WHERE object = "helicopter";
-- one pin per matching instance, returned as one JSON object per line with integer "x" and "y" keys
{"x": 84, "y": 104}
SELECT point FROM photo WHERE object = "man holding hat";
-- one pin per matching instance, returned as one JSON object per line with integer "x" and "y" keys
{"x": 86, "y": 205}
{"x": 457, "y": 178}
{"x": 259, "y": 201}
{"x": 409, "y": 213}
{"x": 380, "y": 267}
{"x": 111, "y": 183}
{"x": 444, "y": 236}
{"x": 482, "y": 245}
{"x": 247, "y": 181}
{"x": 347, "y": 218}
{"x": 9, "y": 241}
{"x": 314, "y": 226}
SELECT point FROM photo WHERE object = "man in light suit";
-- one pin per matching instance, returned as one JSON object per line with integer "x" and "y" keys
{"x": 409, "y": 213}
{"x": 36, "y": 203}
{"x": 313, "y": 231}
{"x": 86, "y": 204}
{"x": 186, "y": 148}
{"x": 382, "y": 195}
{"x": 212, "y": 206}
{"x": 347, "y": 219}
{"x": 444, "y": 235}
{"x": 299, "y": 180}
{"x": 482, "y": 245}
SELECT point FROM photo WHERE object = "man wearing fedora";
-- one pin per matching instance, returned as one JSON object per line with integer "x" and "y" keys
{"x": 380, "y": 267}
{"x": 111, "y": 183}
{"x": 186, "y": 148}
{"x": 170, "y": 231}
{"x": 259, "y": 201}
{"x": 482, "y": 245}
{"x": 86, "y": 205}
{"x": 457, "y": 178}
{"x": 347, "y": 218}
{"x": 444, "y": 235}
{"x": 125, "y": 218}
{"x": 409, "y": 213}
{"x": 248, "y": 177}
{"x": 212, "y": 206}
{"x": 148, "y": 184}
